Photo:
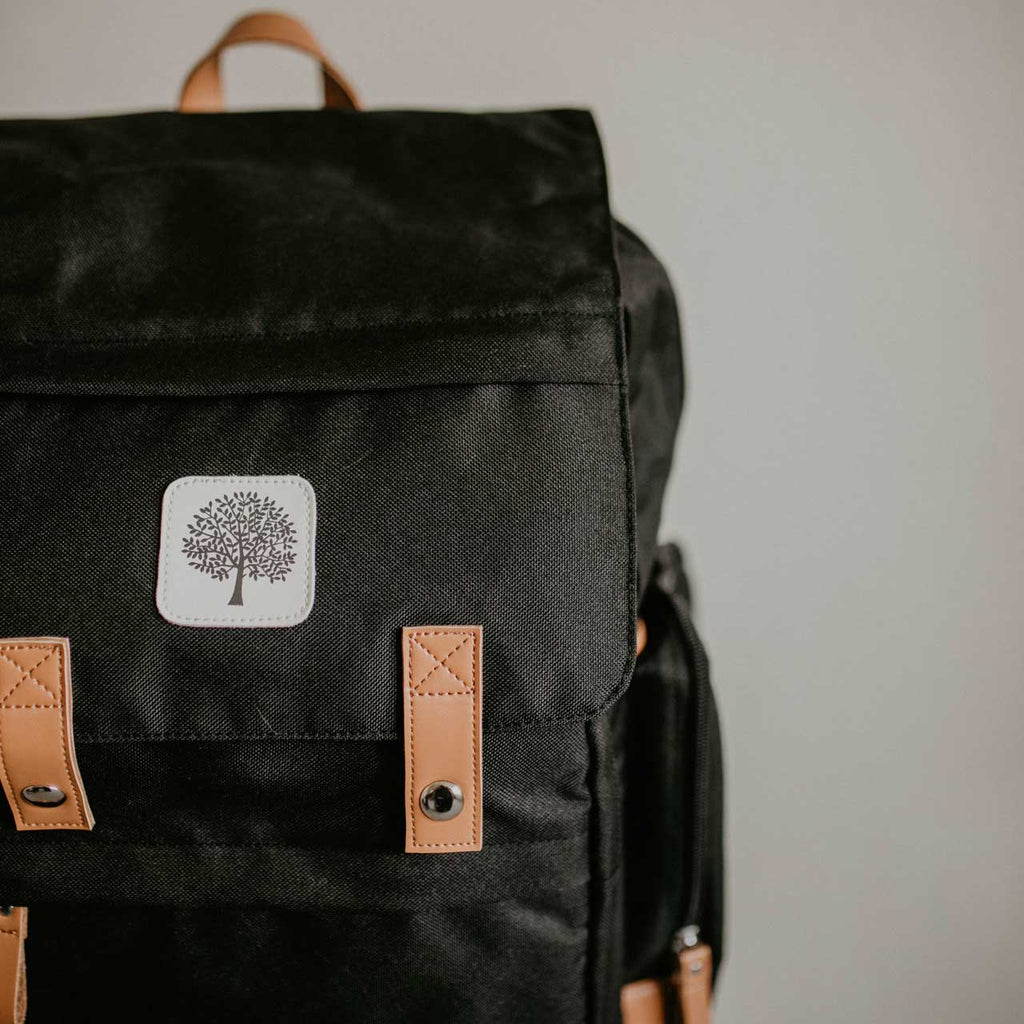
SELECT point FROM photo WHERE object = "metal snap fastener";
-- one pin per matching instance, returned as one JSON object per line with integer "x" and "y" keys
{"x": 442, "y": 801}
{"x": 44, "y": 796}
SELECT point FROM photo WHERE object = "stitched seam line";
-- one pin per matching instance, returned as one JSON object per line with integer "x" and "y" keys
{"x": 188, "y": 336}
{"x": 15, "y": 805}
{"x": 476, "y": 752}
{"x": 452, "y": 846}
{"x": 13, "y": 847}
{"x": 55, "y": 824}
{"x": 411, "y": 696}
{"x": 497, "y": 728}
{"x": 32, "y": 392}
{"x": 29, "y": 673}
{"x": 75, "y": 794}
{"x": 444, "y": 663}
{"x": 438, "y": 665}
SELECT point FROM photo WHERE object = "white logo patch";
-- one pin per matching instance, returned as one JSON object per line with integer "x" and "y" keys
{"x": 237, "y": 551}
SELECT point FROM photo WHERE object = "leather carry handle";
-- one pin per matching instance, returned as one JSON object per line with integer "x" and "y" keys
{"x": 202, "y": 92}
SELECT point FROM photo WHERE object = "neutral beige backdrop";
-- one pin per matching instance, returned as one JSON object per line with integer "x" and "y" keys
{"x": 837, "y": 189}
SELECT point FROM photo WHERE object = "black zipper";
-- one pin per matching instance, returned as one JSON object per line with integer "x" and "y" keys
{"x": 688, "y": 935}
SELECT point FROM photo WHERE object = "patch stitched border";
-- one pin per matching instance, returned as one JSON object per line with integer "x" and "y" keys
{"x": 168, "y": 542}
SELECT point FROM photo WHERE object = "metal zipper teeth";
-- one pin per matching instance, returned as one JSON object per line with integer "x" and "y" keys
{"x": 697, "y": 656}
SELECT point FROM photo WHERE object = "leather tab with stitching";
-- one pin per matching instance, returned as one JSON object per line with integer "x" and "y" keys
{"x": 13, "y": 989}
{"x": 37, "y": 746}
{"x": 442, "y": 698}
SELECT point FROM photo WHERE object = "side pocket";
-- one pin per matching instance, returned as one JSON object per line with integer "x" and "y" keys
{"x": 673, "y": 787}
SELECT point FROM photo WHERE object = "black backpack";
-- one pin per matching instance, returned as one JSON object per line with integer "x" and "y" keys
{"x": 333, "y": 454}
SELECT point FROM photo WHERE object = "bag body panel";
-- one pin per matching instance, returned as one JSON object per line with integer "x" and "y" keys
{"x": 433, "y": 320}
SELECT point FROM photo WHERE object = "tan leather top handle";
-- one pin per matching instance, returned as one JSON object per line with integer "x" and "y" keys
{"x": 202, "y": 91}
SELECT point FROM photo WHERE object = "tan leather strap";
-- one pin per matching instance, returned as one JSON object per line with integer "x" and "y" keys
{"x": 692, "y": 983}
{"x": 37, "y": 746}
{"x": 684, "y": 999}
{"x": 644, "y": 1002}
{"x": 202, "y": 92}
{"x": 13, "y": 990}
{"x": 442, "y": 696}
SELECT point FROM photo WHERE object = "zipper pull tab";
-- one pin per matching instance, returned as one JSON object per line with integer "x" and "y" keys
{"x": 691, "y": 981}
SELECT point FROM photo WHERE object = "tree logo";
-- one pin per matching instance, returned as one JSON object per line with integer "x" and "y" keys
{"x": 244, "y": 535}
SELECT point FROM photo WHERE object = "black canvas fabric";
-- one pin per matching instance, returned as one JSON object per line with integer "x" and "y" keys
{"x": 435, "y": 320}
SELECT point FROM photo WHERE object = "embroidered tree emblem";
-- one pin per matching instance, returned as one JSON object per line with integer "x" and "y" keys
{"x": 241, "y": 534}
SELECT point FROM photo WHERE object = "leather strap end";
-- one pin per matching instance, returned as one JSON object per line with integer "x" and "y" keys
{"x": 644, "y": 1002}
{"x": 38, "y": 765}
{"x": 685, "y": 998}
{"x": 692, "y": 983}
{"x": 13, "y": 987}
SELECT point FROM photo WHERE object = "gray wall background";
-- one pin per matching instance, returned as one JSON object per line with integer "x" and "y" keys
{"x": 837, "y": 190}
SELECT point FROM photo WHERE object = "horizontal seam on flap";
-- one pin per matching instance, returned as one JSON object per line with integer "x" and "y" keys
{"x": 247, "y": 390}
{"x": 235, "y": 737}
{"x": 95, "y": 841}
{"x": 284, "y": 334}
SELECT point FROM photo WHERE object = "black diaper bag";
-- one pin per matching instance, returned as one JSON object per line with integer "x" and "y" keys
{"x": 342, "y": 677}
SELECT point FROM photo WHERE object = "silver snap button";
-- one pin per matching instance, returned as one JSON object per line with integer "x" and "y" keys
{"x": 442, "y": 801}
{"x": 44, "y": 796}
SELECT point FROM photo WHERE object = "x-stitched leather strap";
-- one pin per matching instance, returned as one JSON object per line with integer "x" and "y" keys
{"x": 442, "y": 688}
{"x": 37, "y": 746}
